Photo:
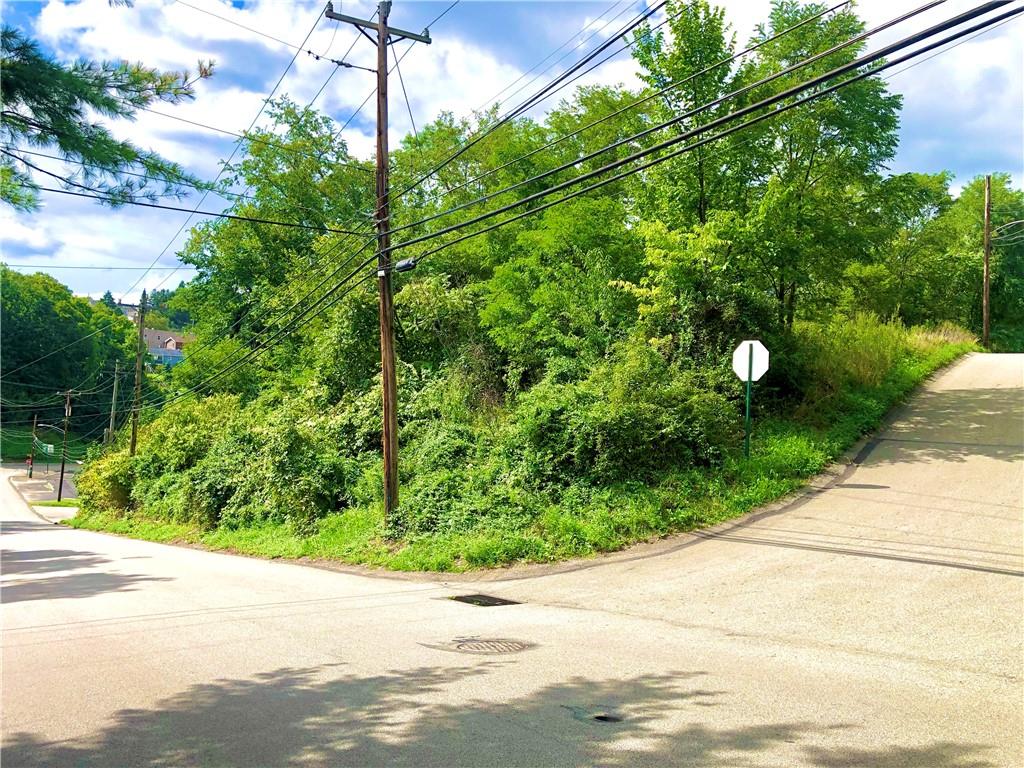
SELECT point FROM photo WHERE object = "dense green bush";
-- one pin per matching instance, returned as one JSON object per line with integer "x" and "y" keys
{"x": 106, "y": 482}
{"x": 586, "y": 459}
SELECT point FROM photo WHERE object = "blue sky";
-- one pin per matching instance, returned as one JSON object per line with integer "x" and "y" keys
{"x": 963, "y": 110}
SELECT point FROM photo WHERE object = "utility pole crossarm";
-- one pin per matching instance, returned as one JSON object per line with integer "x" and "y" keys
{"x": 393, "y": 32}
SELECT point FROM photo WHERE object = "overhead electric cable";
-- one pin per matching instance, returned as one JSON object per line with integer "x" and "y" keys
{"x": 187, "y": 220}
{"x": 234, "y": 151}
{"x": 368, "y": 233}
{"x": 196, "y": 212}
{"x": 258, "y": 139}
{"x": 633, "y": 105}
{"x": 1009, "y": 15}
{"x": 573, "y": 37}
{"x": 672, "y": 121}
{"x": 775, "y": 100}
{"x": 93, "y": 267}
{"x": 533, "y": 100}
{"x": 322, "y": 282}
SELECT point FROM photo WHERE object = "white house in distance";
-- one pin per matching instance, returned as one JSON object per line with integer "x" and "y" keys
{"x": 165, "y": 346}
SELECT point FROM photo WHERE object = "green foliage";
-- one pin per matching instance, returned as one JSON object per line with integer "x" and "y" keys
{"x": 51, "y": 340}
{"x": 47, "y": 104}
{"x": 106, "y": 483}
{"x": 633, "y": 416}
{"x": 565, "y": 382}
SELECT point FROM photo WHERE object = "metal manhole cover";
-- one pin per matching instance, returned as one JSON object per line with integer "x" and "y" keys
{"x": 491, "y": 646}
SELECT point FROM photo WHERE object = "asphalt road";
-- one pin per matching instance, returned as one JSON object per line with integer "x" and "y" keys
{"x": 42, "y": 486}
{"x": 876, "y": 621}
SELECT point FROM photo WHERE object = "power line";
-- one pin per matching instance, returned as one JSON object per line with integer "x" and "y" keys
{"x": 536, "y": 98}
{"x": 299, "y": 48}
{"x": 189, "y": 218}
{"x": 85, "y": 266}
{"x": 335, "y": 272}
{"x": 608, "y": 10}
{"x": 234, "y": 151}
{"x": 738, "y": 113}
{"x": 331, "y": 250}
{"x": 642, "y": 134}
{"x": 398, "y": 61}
{"x": 408, "y": 106}
{"x": 258, "y": 139}
{"x": 777, "y": 99}
{"x": 773, "y": 37}
{"x": 626, "y": 108}
{"x": 110, "y": 169}
{"x": 197, "y": 212}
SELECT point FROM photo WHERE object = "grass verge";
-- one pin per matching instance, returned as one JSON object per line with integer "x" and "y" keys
{"x": 785, "y": 453}
{"x": 55, "y": 503}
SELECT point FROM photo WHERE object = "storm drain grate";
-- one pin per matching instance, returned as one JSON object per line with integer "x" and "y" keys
{"x": 491, "y": 646}
{"x": 483, "y": 600}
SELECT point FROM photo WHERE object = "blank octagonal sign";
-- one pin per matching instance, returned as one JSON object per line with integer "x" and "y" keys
{"x": 741, "y": 360}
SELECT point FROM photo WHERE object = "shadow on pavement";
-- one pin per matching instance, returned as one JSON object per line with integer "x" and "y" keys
{"x": 53, "y": 574}
{"x": 28, "y": 526}
{"x": 75, "y": 585}
{"x": 956, "y": 424}
{"x": 316, "y": 717}
{"x": 47, "y": 560}
{"x": 940, "y": 754}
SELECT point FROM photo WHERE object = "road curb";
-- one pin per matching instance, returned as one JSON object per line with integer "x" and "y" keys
{"x": 27, "y": 503}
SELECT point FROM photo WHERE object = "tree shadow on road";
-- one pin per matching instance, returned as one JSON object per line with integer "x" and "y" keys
{"x": 955, "y": 425}
{"x": 434, "y": 716}
{"x": 24, "y": 562}
{"x": 938, "y": 755}
{"x": 9, "y": 528}
{"x": 74, "y": 585}
{"x": 66, "y": 575}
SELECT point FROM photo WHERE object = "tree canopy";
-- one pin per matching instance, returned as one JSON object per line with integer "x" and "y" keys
{"x": 564, "y": 378}
{"x": 48, "y": 105}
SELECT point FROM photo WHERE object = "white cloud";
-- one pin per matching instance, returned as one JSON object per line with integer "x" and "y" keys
{"x": 952, "y": 104}
{"x": 18, "y": 232}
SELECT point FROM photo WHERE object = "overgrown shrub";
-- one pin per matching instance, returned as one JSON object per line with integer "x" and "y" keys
{"x": 634, "y": 415}
{"x": 105, "y": 483}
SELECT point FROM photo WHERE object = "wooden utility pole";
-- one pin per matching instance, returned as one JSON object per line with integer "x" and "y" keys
{"x": 985, "y": 269}
{"x": 140, "y": 352}
{"x": 385, "y": 36}
{"x": 64, "y": 447}
{"x": 113, "y": 404}
{"x": 32, "y": 453}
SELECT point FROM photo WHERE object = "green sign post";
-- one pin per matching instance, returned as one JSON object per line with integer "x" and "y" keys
{"x": 749, "y": 363}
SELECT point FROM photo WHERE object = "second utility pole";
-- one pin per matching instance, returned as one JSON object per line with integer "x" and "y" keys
{"x": 64, "y": 447}
{"x": 113, "y": 404}
{"x": 985, "y": 269}
{"x": 389, "y": 438}
{"x": 140, "y": 350}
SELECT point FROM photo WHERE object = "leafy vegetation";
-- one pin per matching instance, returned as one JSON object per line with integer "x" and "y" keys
{"x": 50, "y": 341}
{"x": 565, "y": 384}
{"x": 49, "y": 105}
{"x": 502, "y": 489}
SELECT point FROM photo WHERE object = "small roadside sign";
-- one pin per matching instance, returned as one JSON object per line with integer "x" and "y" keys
{"x": 750, "y": 363}
{"x": 750, "y": 360}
